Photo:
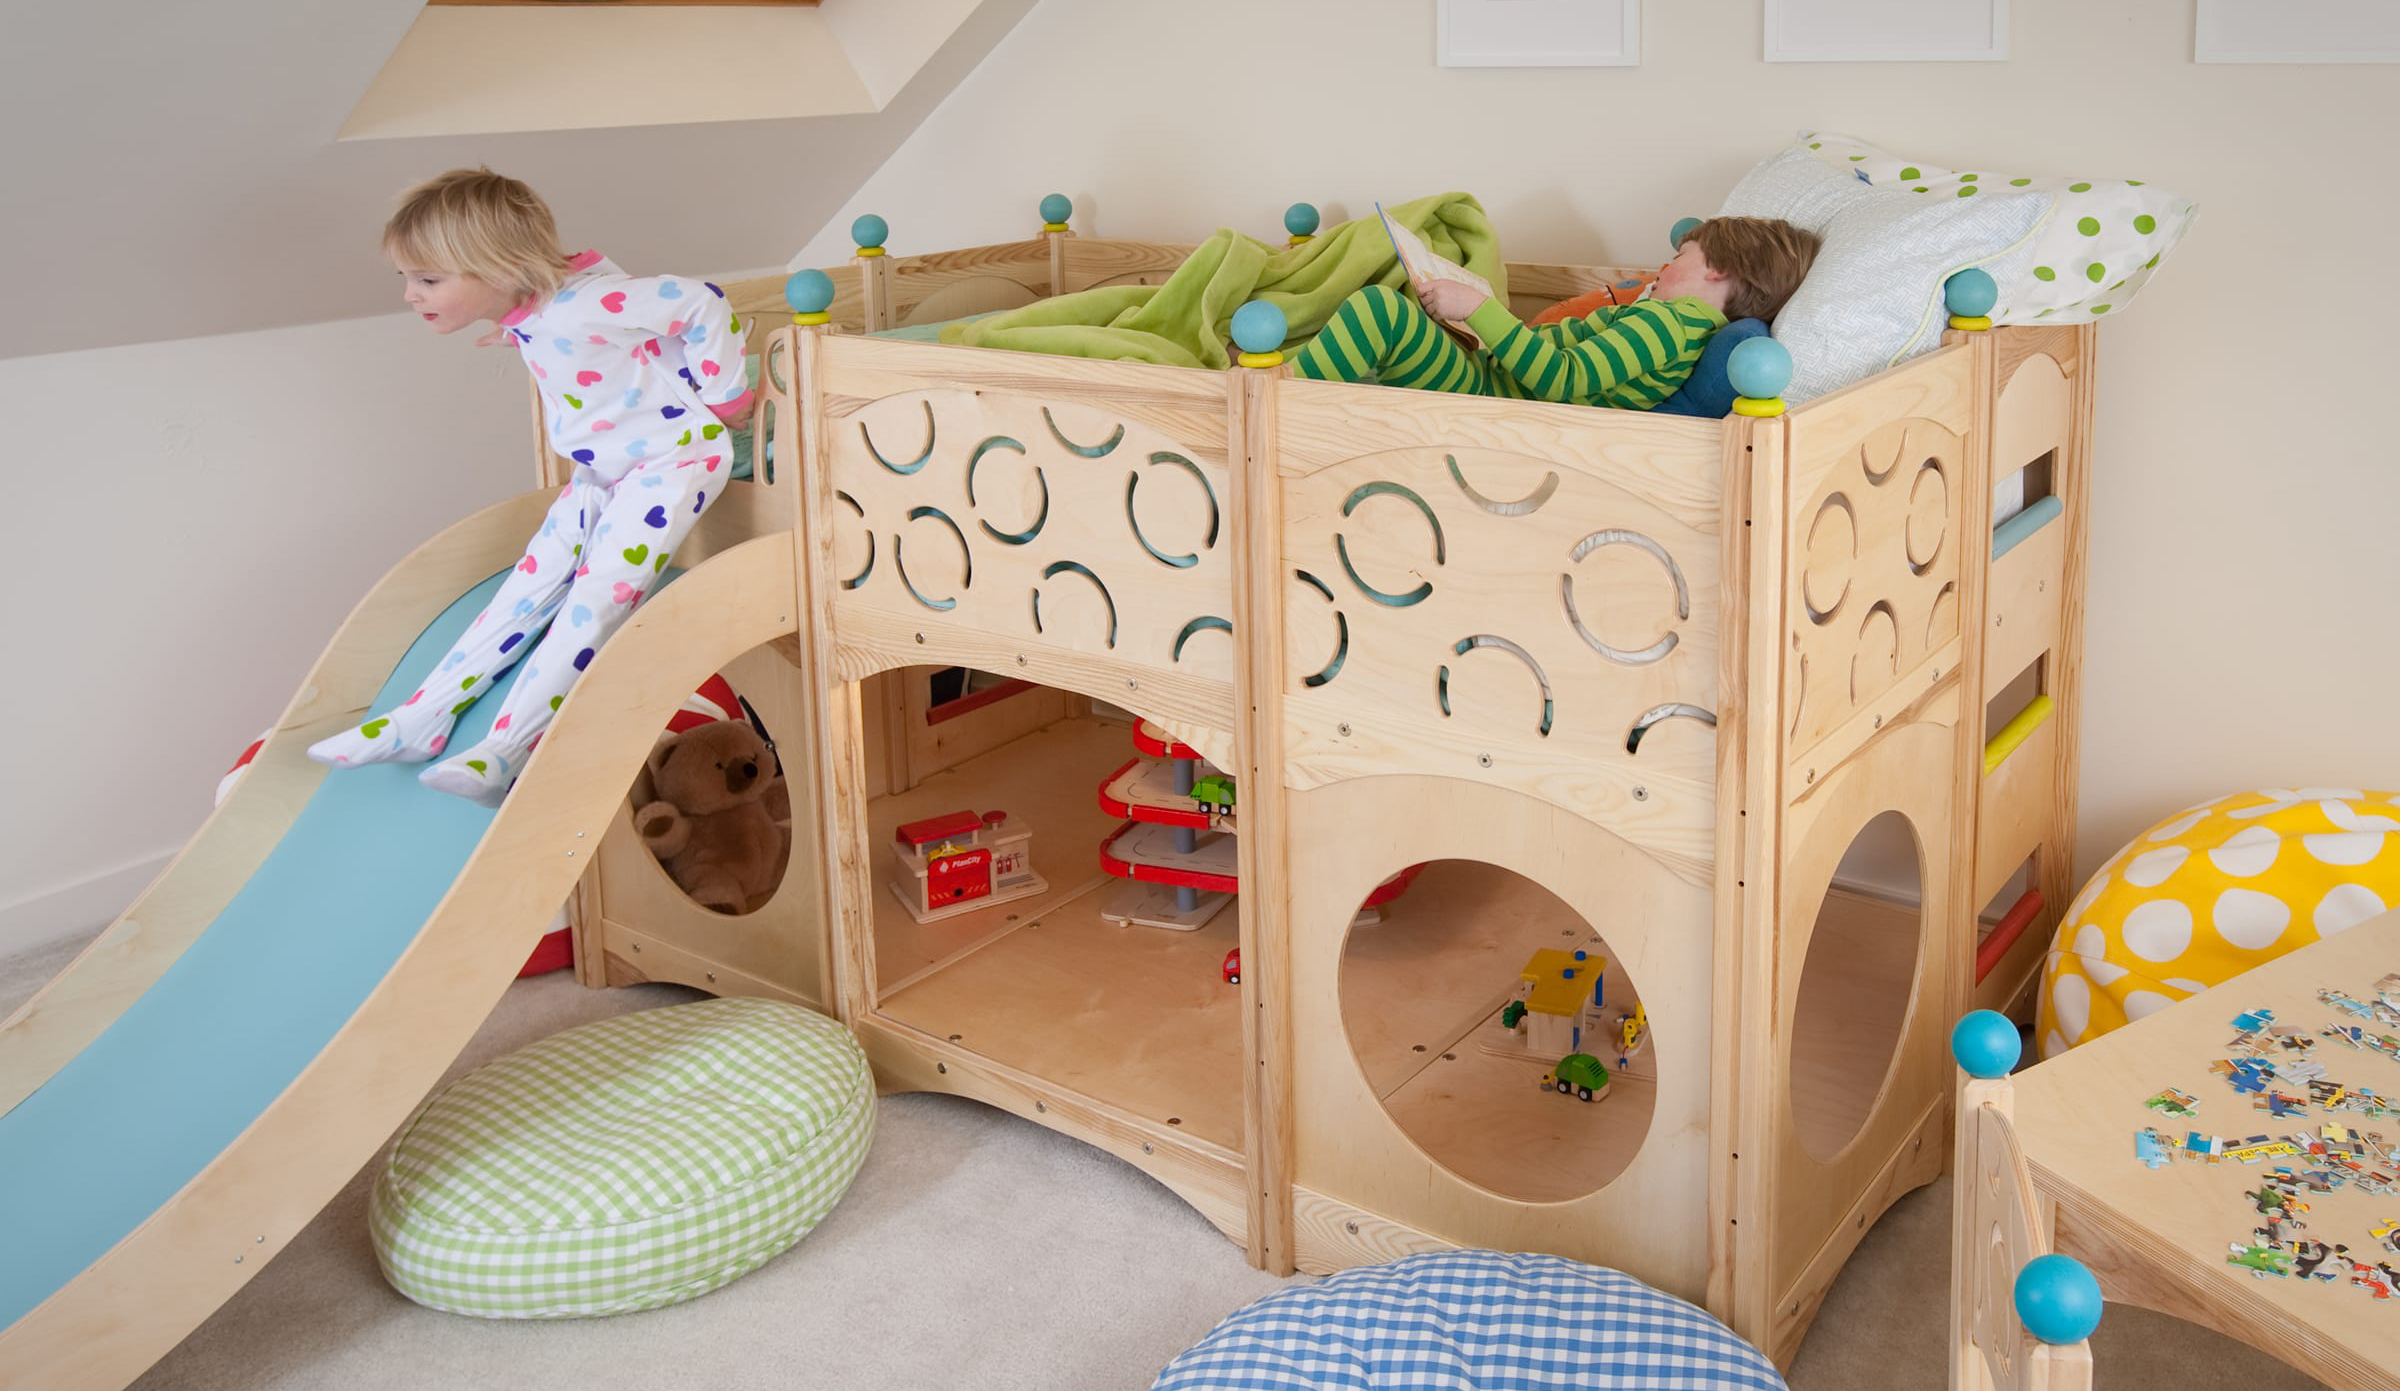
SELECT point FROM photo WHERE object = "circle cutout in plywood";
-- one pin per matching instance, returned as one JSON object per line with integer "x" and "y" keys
{"x": 710, "y": 805}
{"x": 1877, "y": 660}
{"x": 1832, "y": 549}
{"x": 1466, "y": 1054}
{"x": 1928, "y": 515}
{"x": 1856, "y": 985}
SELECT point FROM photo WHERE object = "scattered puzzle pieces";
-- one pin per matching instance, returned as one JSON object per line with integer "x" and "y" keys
{"x": 2260, "y": 1260}
{"x": 2277, "y": 1065}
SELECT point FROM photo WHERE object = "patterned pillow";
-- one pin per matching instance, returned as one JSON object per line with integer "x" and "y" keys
{"x": 1874, "y": 296}
{"x": 623, "y": 1165}
{"x": 1465, "y": 1320}
{"x": 2105, "y": 243}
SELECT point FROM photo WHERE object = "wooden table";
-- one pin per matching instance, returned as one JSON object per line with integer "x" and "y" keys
{"x": 2047, "y": 1163}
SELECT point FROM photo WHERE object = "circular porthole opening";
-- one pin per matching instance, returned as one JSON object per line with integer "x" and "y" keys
{"x": 1499, "y": 1030}
{"x": 1856, "y": 983}
{"x": 711, "y": 805}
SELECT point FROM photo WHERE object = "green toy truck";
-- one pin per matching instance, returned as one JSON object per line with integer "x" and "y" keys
{"x": 1579, "y": 1075}
{"x": 1215, "y": 792}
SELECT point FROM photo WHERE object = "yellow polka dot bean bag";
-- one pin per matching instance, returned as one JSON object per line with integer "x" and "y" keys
{"x": 2211, "y": 892}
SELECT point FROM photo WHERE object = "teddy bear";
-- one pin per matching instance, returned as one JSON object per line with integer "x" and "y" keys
{"x": 713, "y": 822}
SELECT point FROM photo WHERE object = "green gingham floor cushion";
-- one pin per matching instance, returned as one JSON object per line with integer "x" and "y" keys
{"x": 1471, "y": 1321}
{"x": 624, "y": 1165}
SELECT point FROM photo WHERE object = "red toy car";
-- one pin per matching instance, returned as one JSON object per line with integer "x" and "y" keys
{"x": 1233, "y": 967}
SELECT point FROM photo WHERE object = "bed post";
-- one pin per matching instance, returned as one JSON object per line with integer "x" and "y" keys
{"x": 1750, "y": 803}
{"x": 1968, "y": 297}
{"x": 869, "y": 233}
{"x": 1258, "y": 683}
{"x": 1056, "y": 209}
{"x": 830, "y": 706}
{"x": 2000, "y": 1235}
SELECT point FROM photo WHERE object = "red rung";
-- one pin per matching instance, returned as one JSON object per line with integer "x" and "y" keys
{"x": 2005, "y": 933}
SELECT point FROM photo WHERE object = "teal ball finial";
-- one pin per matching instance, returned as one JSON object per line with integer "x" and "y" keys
{"x": 1971, "y": 293}
{"x": 1301, "y": 220}
{"x": 808, "y": 292}
{"x": 2057, "y": 1300}
{"x": 1259, "y": 327}
{"x": 1759, "y": 368}
{"x": 1985, "y": 1043}
{"x": 1058, "y": 207}
{"x": 1683, "y": 228}
{"x": 869, "y": 230}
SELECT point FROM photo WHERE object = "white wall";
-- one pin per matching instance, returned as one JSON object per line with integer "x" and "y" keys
{"x": 2241, "y": 629}
{"x": 215, "y": 508}
{"x": 170, "y": 170}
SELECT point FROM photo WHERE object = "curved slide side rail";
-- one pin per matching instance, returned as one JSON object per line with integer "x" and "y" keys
{"x": 103, "y": 1327}
{"x": 122, "y": 962}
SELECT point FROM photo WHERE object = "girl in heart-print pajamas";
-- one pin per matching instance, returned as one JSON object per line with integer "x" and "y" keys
{"x": 641, "y": 379}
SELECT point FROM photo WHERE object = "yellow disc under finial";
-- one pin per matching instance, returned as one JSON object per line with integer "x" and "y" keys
{"x": 1755, "y": 406}
{"x": 810, "y": 294}
{"x": 1301, "y": 221}
{"x": 1970, "y": 296}
{"x": 1259, "y": 329}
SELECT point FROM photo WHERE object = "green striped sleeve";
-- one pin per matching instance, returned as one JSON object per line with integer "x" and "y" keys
{"x": 1634, "y": 356}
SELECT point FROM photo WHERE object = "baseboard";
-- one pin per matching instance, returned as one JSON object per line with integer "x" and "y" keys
{"x": 79, "y": 909}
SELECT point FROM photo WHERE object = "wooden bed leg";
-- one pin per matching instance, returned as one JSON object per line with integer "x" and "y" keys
{"x": 832, "y": 712}
{"x": 1258, "y": 683}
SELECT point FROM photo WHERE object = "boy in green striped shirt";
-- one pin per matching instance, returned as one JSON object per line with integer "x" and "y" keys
{"x": 1630, "y": 357}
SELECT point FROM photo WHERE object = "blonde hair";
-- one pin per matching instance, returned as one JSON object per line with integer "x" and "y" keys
{"x": 475, "y": 222}
{"x": 1765, "y": 256}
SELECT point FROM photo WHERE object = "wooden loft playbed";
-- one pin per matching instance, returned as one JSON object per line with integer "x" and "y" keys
{"x": 1623, "y": 682}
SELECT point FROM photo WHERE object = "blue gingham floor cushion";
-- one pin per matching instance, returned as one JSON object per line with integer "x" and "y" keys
{"x": 1475, "y": 1321}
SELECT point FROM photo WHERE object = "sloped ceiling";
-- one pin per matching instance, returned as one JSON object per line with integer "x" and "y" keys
{"x": 170, "y": 170}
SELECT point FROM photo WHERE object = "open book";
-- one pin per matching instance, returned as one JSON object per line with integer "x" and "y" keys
{"x": 1422, "y": 263}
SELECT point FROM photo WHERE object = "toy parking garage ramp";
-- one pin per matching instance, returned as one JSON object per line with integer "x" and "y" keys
{"x": 182, "y": 1100}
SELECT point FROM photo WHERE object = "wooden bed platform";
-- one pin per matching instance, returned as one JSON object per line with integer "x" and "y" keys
{"x": 1619, "y": 681}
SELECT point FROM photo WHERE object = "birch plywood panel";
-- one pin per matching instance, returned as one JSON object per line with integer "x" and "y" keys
{"x": 1525, "y": 596}
{"x": 1355, "y": 1147}
{"x": 1889, "y": 1052}
{"x": 1878, "y": 479}
{"x": 1091, "y": 264}
{"x": 952, "y": 284}
{"x": 1073, "y": 544}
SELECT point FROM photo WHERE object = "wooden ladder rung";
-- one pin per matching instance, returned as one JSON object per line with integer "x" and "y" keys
{"x": 2017, "y": 731}
{"x": 2037, "y": 514}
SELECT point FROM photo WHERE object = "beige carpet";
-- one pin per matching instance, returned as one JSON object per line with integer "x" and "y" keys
{"x": 977, "y": 1251}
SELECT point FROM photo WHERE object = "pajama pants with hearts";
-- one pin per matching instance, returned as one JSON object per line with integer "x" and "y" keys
{"x": 600, "y": 548}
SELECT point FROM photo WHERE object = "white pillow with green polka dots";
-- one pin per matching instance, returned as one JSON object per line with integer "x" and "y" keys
{"x": 2106, "y": 240}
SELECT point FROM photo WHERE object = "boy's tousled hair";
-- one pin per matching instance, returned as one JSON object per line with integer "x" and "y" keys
{"x": 475, "y": 222}
{"x": 1766, "y": 258}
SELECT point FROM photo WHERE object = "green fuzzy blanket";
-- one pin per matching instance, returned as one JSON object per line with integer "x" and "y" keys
{"x": 1187, "y": 321}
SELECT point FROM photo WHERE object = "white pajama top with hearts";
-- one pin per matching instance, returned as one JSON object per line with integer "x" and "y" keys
{"x": 642, "y": 379}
